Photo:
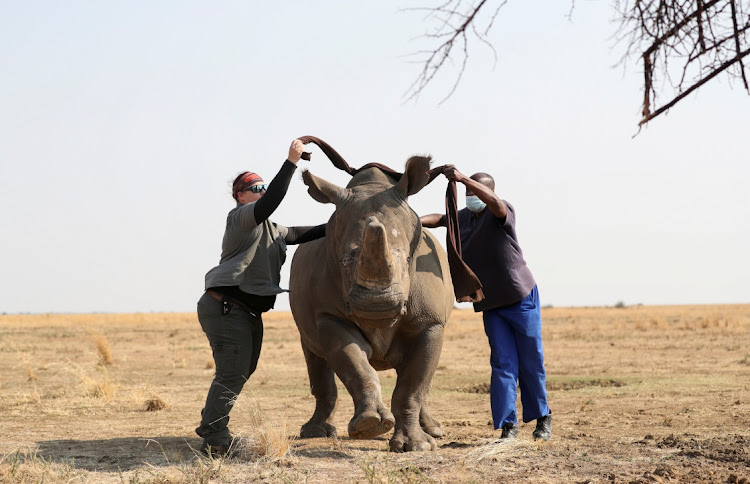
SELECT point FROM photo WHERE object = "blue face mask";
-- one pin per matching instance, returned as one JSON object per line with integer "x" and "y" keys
{"x": 474, "y": 204}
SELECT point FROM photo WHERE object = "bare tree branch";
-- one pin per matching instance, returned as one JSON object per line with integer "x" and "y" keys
{"x": 692, "y": 88}
{"x": 738, "y": 43}
{"x": 455, "y": 25}
{"x": 683, "y": 44}
{"x": 692, "y": 35}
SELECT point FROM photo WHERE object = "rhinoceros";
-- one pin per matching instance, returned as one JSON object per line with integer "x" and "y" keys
{"x": 374, "y": 294}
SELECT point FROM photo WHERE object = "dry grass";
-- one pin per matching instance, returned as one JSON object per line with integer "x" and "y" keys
{"x": 154, "y": 403}
{"x": 95, "y": 382}
{"x": 25, "y": 467}
{"x": 498, "y": 448}
{"x": 102, "y": 347}
{"x": 30, "y": 372}
{"x": 639, "y": 394}
{"x": 262, "y": 437}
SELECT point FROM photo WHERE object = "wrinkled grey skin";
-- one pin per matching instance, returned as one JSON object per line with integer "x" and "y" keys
{"x": 374, "y": 294}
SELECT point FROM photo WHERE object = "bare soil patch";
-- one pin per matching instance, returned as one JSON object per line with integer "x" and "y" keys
{"x": 639, "y": 394}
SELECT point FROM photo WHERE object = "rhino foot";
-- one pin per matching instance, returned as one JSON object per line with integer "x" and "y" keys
{"x": 429, "y": 424}
{"x": 370, "y": 424}
{"x": 414, "y": 441}
{"x": 434, "y": 430}
{"x": 312, "y": 430}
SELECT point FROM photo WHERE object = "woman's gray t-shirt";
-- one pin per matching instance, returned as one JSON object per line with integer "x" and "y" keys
{"x": 251, "y": 254}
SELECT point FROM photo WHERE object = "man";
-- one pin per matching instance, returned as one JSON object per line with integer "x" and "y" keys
{"x": 510, "y": 309}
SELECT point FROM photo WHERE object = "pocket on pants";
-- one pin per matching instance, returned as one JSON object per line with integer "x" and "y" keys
{"x": 227, "y": 358}
{"x": 529, "y": 303}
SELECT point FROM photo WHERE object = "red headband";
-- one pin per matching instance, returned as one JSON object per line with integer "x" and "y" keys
{"x": 244, "y": 181}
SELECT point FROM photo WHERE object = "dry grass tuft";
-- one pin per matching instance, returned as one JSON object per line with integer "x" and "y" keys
{"x": 210, "y": 365}
{"x": 97, "y": 386}
{"x": 31, "y": 376}
{"x": 384, "y": 469}
{"x": 34, "y": 397}
{"x": 499, "y": 448}
{"x": 102, "y": 388}
{"x": 480, "y": 388}
{"x": 155, "y": 403}
{"x": 336, "y": 444}
{"x": 102, "y": 346}
{"x": 267, "y": 438}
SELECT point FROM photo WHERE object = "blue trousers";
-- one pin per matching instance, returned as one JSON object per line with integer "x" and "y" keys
{"x": 515, "y": 336}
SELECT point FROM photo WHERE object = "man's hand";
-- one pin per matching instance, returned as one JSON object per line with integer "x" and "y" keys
{"x": 295, "y": 151}
{"x": 486, "y": 193}
{"x": 452, "y": 174}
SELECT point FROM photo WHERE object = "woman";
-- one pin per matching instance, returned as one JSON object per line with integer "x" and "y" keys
{"x": 241, "y": 288}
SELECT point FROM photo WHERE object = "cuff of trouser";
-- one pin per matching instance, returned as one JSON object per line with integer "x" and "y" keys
{"x": 218, "y": 438}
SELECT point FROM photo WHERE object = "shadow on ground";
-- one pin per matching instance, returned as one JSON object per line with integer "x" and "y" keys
{"x": 130, "y": 453}
{"x": 125, "y": 454}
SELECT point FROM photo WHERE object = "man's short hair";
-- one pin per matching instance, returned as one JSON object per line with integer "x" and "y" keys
{"x": 485, "y": 179}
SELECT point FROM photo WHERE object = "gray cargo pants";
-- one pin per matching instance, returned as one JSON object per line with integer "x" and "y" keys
{"x": 235, "y": 339}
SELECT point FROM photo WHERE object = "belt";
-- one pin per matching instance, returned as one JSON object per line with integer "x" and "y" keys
{"x": 226, "y": 299}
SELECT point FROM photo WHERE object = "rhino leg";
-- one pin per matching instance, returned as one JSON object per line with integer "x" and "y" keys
{"x": 409, "y": 400}
{"x": 323, "y": 388}
{"x": 348, "y": 355}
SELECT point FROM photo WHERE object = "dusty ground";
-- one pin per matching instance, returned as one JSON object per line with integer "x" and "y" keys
{"x": 639, "y": 394}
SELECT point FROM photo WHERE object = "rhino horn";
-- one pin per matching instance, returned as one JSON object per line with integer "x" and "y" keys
{"x": 374, "y": 267}
{"x": 415, "y": 176}
{"x": 323, "y": 191}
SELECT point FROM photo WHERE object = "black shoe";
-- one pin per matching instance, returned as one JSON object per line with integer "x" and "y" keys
{"x": 216, "y": 451}
{"x": 543, "y": 428}
{"x": 510, "y": 431}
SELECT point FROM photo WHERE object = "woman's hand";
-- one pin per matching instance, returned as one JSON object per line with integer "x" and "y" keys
{"x": 295, "y": 151}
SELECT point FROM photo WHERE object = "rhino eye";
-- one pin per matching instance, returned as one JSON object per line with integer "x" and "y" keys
{"x": 349, "y": 257}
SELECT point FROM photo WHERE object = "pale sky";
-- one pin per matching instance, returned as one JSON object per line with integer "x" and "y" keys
{"x": 122, "y": 125}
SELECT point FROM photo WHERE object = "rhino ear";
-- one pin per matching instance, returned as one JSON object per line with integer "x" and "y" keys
{"x": 322, "y": 190}
{"x": 415, "y": 176}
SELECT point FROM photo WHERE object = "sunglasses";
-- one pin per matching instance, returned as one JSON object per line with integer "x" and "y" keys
{"x": 257, "y": 188}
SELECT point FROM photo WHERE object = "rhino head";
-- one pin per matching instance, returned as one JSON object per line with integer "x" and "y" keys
{"x": 371, "y": 238}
